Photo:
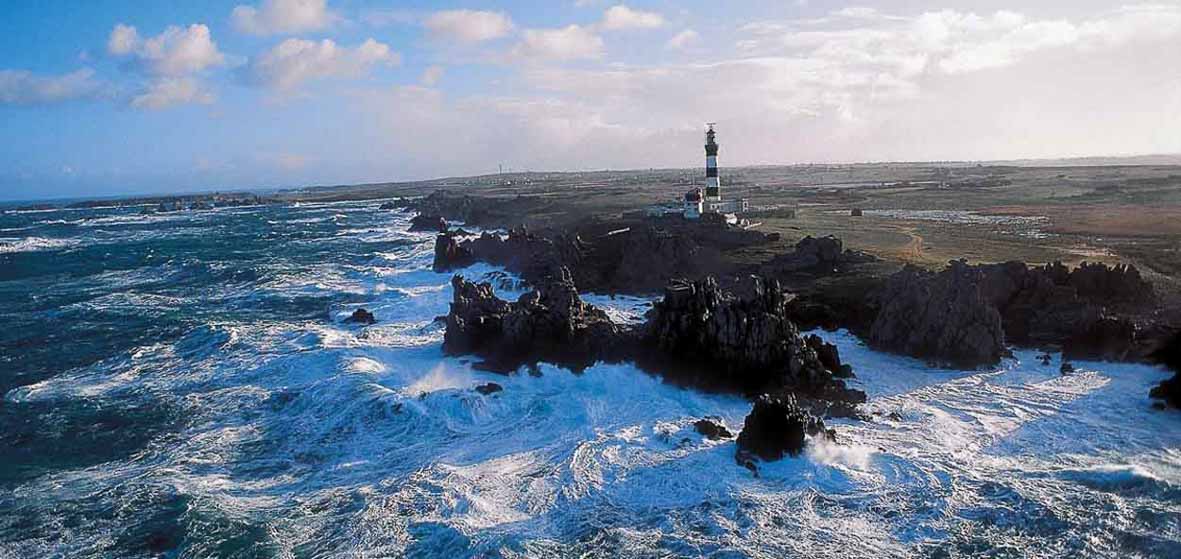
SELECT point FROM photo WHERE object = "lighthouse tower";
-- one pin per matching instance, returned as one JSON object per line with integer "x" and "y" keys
{"x": 713, "y": 189}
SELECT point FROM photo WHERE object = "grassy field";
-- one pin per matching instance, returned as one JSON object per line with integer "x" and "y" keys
{"x": 922, "y": 213}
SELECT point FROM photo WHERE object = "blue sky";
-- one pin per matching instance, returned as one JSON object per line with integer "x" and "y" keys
{"x": 107, "y": 98}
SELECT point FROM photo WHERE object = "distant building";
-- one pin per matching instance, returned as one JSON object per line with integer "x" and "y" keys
{"x": 694, "y": 204}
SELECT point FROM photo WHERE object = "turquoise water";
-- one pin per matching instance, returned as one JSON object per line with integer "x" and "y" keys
{"x": 182, "y": 385}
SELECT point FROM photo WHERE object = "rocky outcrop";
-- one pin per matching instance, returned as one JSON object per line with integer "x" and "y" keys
{"x": 1105, "y": 339}
{"x": 829, "y": 356}
{"x": 361, "y": 316}
{"x": 945, "y": 317}
{"x": 450, "y": 254}
{"x": 744, "y": 343}
{"x": 777, "y": 427}
{"x": 712, "y": 429}
{"x": 550, "y": 324}
{"x": 964, "y": 315}
{"x": 427, "y": 222}
{"x": 1169, "y": 355}
{"x": 817, "y": 255}
{"x": 489, "y": 388}
{"x": 388, "y": 206}
{"x": 468, "y": 209}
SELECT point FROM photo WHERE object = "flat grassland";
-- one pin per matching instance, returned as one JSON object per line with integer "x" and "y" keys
{"x": 920, "y": 213}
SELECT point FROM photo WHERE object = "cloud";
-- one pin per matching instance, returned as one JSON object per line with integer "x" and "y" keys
{"x": 174, "y": 52}
{"x": 682, "y": 40}
{"x": 296, "y": 61}
{"x": 431, "y": 76}
{"x": 572, "y": 42}
{"x": 283, "y": 17}
{"x": 169, "y": 92}
{"x": 468, "y": 26}
{"x": 20, "y": 87}
{"x": 621, "y": 17}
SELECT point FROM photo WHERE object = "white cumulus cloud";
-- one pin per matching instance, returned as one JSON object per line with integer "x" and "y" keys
{"x": 176, "y": 51}
{"x": 283, "y": 16}
{"x": 171, "y": 91}
{"x": 622, "y": 17}
{"x": 572, "y": 42}
{"x": 468, "y": 26}
{"x": 20, "y": 87}
{"x": 296, "y": 61}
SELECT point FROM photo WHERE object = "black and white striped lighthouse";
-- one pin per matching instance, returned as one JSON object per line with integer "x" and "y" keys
{"x": 713, "y": 189}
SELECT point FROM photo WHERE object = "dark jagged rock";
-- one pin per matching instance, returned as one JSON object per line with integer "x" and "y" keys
{"x": 712, "y": 429}
{"x": 425, "y": 222}
{"x": 450, "y": 254}
{"x": 550, "y": 324}
{"x": 945, "y": 317}
{"x": 388, "y": 206}
{"x": 1106, "y": 339}
{"x": 1045, "y": 358}
{"x": 829, "y": 356}
{"x": 1066, "y": 368}
{"x": 468, "y": 209}
{"x": 777, "y": 427}
{"x": 1169, "y": 354}
{"x": 489, "y": 388}
{"x": 361, "y": 316}
{"x": 817, "y": 255}
{"x": 745, "y": 343}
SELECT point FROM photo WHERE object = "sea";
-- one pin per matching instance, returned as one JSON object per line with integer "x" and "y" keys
{"x": 184, "y": 385}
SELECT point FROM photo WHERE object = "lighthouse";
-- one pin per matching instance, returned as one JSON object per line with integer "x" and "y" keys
{"x": 713, "y": 189}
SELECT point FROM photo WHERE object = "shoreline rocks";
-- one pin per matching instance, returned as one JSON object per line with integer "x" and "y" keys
{"x": 777, "y": 427}
{"x": 426, "y": 222}
{"x": 361, "y": 316}
{"x": 1169, "y": 355}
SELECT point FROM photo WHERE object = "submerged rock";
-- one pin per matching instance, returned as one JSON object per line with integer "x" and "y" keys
{"x": 489, "y": 388}
{"x": 712, "y": 429}
{"x": 361, "y": 316}
{"x": 777, "y": 427}
{"x": 945, "y": 317}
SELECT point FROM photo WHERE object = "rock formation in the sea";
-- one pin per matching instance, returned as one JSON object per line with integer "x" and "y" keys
{"x": 489, "y": 388}
{"x": 550, "y": 324}
{"x": 777, "y": 427}
{"x": 744, "y": 342}
{"x": 829, "y": 356}
{"x": 388, "y": 206}
{"x": 712, "y": 429}
{"x": 1105, "y": 339}
{"x": 450, "y": 254}
{"x": 1169, "y": 355}
{"x": 817, "y": 255}
{"x": 361, "y": 316}
{"x": 428, "y": 222}
{"x": 944, "y": 317}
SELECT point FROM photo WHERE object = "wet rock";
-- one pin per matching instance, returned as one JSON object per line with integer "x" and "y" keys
{"x": 945, "y": 317}
{"x": 489, "y": 388}
{"x": 1168, "y": 353}
{"x": 1066, "y": 368}
{"x": 712, "y": 429}
{"x": 549, "y": 324}
{"x": 856, "y": 212}
{"x": 450, "y": 254}
{"x": 1046, "y": 359}
{"x": 388, "y": 206}
{"x": 745, "y": 343}
{"x": 361, "y": 316}
{"x": 829, "y": 356}
{"x": 777, "y": 427}
{"x": 425, "y": 222}
{"x": 1106, "y": 339}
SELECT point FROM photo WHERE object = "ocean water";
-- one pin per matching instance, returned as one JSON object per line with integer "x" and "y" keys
{"x": 182, "y": 385}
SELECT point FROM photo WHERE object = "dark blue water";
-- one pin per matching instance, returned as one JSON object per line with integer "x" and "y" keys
{"x": 183, "y": 385}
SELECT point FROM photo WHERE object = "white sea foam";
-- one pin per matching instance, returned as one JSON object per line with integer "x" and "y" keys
{"x": 349, "y": 440}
